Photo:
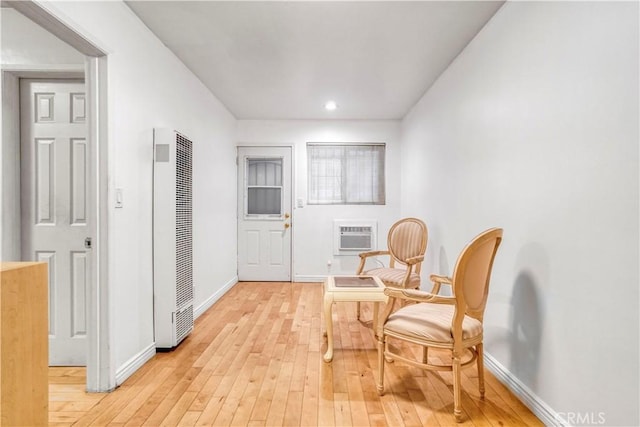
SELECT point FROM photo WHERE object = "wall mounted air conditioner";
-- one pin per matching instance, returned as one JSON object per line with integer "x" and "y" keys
{"x": 354, "y": 236}
{"x": 172, "y": 238}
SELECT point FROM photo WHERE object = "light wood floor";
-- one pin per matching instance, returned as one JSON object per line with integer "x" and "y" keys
{"x": 255, "y": 359}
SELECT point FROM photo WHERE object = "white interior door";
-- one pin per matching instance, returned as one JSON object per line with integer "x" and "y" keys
{"x": 55, "y": 210}
{"x": 264, "y": 214}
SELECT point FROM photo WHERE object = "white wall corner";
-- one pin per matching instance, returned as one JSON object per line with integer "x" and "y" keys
{"x": 200, "y": 309}
{"x": 130, "y": 366}
{"x": 547, "y": 415}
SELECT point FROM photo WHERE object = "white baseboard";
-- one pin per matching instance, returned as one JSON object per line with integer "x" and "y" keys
{"x": 548, "y": 416}
{"x": 311, "y": 278}
{"x": 135, "y": 363}
{"x": 213, "y": 298}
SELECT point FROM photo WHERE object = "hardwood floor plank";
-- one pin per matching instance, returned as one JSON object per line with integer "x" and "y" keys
{"x": 204, "y": 395}
{"x": 141, "y": 395}
{"x": 425, "y": 413}
{"x": 255, "y": 359}
{"x": 311, "y": 389}
{"x": 78, "y": 396}
{"x": 391, "y": 410}
{"x": 179, "y": 409}
{"x": 65, "y": 416}
{"x": 342, "y": 409}
{"x": 231, "y": 406}
{"x": 157, "y": 396}
{"x": 189, "y": 419}
{"x": 102, "y": 407}
{"x": 164, "y": 406}
{"x": 299, "y": 374}
{"x": 400, "y": 380}
{"x": 277, "y": 408}
{"x": 293, "y": 409}
{"x": 210, "y": 411}
{"x": 325, "y": 402}
{"x": 357, "y": 406}
{"x": 265, "y": 396}
{"x": 71, "y": 406}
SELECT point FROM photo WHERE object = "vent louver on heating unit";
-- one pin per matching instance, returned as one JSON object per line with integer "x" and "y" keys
{"x": 354, "y": 236}
{"x": 172, "y": 237}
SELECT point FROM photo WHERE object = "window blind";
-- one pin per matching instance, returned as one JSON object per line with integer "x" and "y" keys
{"x": 346, "y": 173}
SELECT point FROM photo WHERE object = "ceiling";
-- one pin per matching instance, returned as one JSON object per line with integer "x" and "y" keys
{"x": 286, "y": 59}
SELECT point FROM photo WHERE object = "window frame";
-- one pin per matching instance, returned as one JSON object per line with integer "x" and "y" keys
{"x": 381, "y": 175}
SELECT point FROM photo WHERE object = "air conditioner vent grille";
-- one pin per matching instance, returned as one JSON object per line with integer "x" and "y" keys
{"x": 353, "y": 236}
{"x": 184, "y": 222}
{"x": 184, "y": 322}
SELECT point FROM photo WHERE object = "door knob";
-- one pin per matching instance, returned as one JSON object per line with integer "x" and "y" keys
{"x": 286, "y": 216}
{"x": 287, "y": 225}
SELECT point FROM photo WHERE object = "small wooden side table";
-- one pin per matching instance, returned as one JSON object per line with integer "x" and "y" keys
{"x": 350, "y": 288}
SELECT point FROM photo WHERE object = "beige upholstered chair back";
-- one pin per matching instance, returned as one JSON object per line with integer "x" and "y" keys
{"x": 407, "y": 238}
{"x": 472, "y": 273}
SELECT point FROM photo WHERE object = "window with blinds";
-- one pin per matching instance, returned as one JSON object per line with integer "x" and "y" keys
{"x": 347, "y": 174}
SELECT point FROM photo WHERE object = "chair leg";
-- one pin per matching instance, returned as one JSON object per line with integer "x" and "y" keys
{"x": 381, "y": 348}
{"x": 480, "y": 362}
{"x": 457, "y": 409}
{"x": 425, "y": 355}
{"x": 358, "y": 310}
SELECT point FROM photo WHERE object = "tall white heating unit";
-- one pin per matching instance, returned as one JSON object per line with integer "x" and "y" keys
{"x": 172, "y": 237}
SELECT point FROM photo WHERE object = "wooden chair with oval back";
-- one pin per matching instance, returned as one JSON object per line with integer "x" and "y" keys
{"x": 446, "y": 322}
{"x": 406, "y": 246}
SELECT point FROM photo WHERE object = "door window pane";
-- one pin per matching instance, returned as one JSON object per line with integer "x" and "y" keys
{"x": 264, "y": 172}
{"x": 264, "y": 186}
{"x": 264, "y": 201}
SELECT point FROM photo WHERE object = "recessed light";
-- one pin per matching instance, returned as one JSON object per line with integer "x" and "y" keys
{"x": 330, "y": 105}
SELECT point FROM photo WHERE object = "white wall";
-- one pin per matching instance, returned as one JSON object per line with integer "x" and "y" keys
{"x": 149, "y": 87}
{"x": 312, "y": 225}
{"x": 24, "y": 42}
{"x": 534, "y": 128}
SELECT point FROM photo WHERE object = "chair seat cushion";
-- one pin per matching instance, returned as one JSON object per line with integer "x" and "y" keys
{"x": 431, "y": 322}
{"x": 394, "y": 277}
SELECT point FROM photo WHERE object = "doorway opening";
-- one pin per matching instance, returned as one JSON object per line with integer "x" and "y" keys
{"x": 93, "y": 67}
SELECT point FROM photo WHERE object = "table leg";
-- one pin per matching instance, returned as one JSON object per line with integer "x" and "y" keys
{"x": 328, "y": 318}
{"x": 376, "y": 308}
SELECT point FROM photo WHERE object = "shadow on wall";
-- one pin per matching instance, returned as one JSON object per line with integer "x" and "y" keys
{"x": 526, "y": 314}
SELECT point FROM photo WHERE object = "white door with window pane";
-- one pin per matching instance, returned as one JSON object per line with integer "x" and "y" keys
{"x": 264, "y": 214}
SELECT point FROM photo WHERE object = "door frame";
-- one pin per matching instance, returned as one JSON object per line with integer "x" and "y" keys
{"x": 100, "y": 358}
{"x": 293, "y": 193}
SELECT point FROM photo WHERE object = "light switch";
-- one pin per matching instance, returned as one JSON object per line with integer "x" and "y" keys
{"x": 300, "y": 202}
{"x": 118, "y": 197}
